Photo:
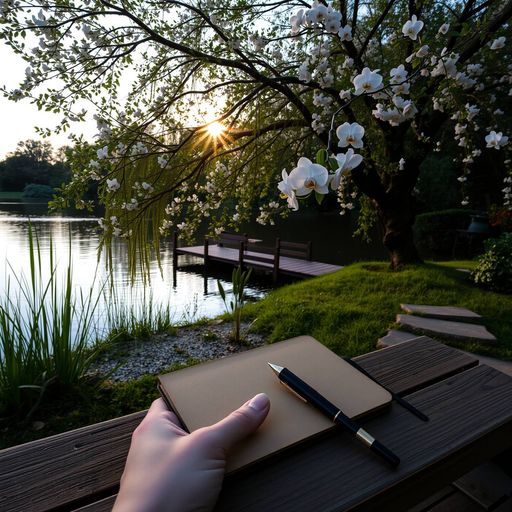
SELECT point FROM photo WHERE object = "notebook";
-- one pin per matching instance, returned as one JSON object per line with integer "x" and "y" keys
{"x": 206, "y": 393}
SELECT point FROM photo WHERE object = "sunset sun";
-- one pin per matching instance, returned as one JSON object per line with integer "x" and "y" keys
{"x": 216, "y": 129}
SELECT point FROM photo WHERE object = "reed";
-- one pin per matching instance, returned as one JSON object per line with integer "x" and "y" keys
{"x": 45, "y": 332}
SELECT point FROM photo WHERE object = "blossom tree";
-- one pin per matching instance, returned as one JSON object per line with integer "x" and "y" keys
{"x": 200, "y": 104}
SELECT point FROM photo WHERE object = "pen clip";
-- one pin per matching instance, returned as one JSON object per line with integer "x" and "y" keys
{"x": 294, "y": 392}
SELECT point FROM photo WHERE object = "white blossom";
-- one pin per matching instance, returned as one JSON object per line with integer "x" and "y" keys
{"x": 366, "y": 82}
{"x": 307, "y": 177}
{"x": 496, "y": 140}
{"x": 498, "y": 43}
{"x": 112, "y": 184}
{"x": 350, "y": 134}
{"x": 412, "y": 27}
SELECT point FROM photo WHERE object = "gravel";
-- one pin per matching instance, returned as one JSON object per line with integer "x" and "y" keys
{"x": 129, "y": 360}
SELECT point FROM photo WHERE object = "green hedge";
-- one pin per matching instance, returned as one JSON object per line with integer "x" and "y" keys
{"x": 435, "y": 232}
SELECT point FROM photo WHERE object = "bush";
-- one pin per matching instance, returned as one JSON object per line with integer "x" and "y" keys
{"x": 494, "y": 268}
{"x": 34, "y": 191}
{"x": 435, "y": 231}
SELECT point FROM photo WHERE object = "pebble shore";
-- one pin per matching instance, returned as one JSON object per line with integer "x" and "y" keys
{"x": 130, "y": 360}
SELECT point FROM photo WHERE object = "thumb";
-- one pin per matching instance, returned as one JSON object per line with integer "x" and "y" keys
{"x": 242, "y": 422}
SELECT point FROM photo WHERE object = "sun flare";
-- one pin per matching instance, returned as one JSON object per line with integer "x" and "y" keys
{"x": 215, "y": 129}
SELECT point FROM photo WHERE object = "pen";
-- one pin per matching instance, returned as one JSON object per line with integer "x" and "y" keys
{"x": 313, "y": 397}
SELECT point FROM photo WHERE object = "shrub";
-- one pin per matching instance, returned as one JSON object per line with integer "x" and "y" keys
{"x": 33, "y": 191}
{"x": 435, "y": 231}
{"x": 494, "y": 269}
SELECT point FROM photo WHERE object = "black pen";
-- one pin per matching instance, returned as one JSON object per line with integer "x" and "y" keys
{"x": 307, "y": 393}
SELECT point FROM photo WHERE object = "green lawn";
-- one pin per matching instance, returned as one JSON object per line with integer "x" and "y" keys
{"x": 349, "y": 310}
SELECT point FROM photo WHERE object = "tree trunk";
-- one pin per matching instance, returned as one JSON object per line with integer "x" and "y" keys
{"x": 397, "y": 219}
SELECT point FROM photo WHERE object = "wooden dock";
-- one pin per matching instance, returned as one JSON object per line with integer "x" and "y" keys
{"x": 286, "y": 265}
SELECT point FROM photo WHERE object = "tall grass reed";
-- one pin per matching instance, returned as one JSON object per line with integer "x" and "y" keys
{"x": 45, "y": 332}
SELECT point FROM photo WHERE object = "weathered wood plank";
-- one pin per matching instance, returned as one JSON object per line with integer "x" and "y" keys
{"x": 443, "y": 312}
{"x": 470, "y": 420}
{"x": 58, "y": 470}
{"x": 413, "y": 364}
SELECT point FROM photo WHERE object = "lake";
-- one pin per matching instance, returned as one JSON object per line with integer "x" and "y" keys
{"x": 188, "y": 292}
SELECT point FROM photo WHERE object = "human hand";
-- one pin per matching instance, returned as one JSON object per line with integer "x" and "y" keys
{"x": 169, "y": 469}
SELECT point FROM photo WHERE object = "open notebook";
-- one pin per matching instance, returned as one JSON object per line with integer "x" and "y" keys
{"x": 204, "y": 394}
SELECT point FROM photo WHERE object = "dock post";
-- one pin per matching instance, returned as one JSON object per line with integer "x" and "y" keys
{"x": 310, "y": 250}
{"x": 174, "y": 247}
{"x": 206, "y": 251}
{"x": 277, "y": 248}
{"x": 241, "y": 255}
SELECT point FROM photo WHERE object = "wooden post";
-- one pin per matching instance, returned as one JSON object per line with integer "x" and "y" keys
{"x": 241, "y": 255}
{"x": 174, "y": 247}
{"x": 206, "y": 251}
{"x": 277, "y": 249}
{"x": 310, "y": 250}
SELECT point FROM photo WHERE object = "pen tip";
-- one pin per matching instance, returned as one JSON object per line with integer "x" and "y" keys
{"x": 277, "y": 369}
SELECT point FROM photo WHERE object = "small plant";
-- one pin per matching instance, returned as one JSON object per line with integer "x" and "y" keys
{"x": 234, "y": 307}
{"x": 494, "y": 268}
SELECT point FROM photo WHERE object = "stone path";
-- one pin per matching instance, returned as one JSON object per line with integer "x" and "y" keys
{"x": 442, "y": 329}
{"x": 442, "y": 312}
{"x": 446, "y": 329}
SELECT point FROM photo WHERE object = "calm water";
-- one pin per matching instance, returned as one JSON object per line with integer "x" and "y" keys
{"x": 189, "y": 293}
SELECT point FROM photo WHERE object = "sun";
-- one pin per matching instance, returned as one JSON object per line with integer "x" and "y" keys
{"x": 215, "y": 129}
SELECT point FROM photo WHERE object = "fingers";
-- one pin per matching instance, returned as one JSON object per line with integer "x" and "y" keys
{"x": 242, "y": 422}
{"x": 159, "y": 407}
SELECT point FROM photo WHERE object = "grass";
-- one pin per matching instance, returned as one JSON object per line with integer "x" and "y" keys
{"x": 349, "y": 310}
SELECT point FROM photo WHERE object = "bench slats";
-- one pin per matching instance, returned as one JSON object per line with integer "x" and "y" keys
{"x": 77, "y": 465}
{"x": 61, "y": 469}
{"x": 470, "y": 413}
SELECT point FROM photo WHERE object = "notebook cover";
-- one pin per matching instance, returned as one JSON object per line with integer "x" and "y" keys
{"x": 204, "y": 394}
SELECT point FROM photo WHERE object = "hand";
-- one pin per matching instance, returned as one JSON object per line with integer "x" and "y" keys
{"x": 169, "y": 469}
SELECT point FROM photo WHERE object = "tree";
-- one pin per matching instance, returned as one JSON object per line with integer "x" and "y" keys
{"x": 279, "y": 76}
{"x": 32, "y": 163}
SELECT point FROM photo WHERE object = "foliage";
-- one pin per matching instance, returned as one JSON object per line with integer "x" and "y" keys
{"x": 500, "y": 218}
{"x": 239, "y": 279}
{"x": 38, "y": 191}
{"x": 33, "y": 162}
{"x": 350, "y": 309}
{"x": 435, "y": 231}
{"x": 45, "y": 333}
{"x": 279, "y": 77}
{"x": 494, "y": 268}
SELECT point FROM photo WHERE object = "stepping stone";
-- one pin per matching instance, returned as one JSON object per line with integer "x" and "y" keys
{"x": 394, "y": 337}
{"x": 442, "y": 312}
{"x": 446, "y": 329}
{"x": 487, "y": 484}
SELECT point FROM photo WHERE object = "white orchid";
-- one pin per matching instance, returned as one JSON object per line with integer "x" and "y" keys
{"x": 112, "y": 184}
{"x": 346, "y": 162}
{"x": 350, "y": 134}
{"x": 398, "y": 74}
{"x": 412, "y": 27}
{"x": 367, "y": 82}
{"x": 307, "y": 177}
{"x": 345, "y": 33}
{"x": 498, "y": 43}
{"x": 496, "y": 140}
{"x": 287, "y": 192}
{"x": 443, "y": 29}
{"x": 102, "y": 153}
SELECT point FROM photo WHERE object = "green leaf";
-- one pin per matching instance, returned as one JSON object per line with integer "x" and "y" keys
{"x": 321, "y": 156}
{"x": 319, "y": 197}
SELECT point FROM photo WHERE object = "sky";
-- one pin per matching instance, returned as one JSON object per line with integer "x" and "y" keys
{"x": 18, "y": 119}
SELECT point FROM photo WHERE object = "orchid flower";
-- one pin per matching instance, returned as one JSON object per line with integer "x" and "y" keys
{"x": 307, "y": 177}
{"x": 350, "y": 134}
{"x": 412, "y": 27}
{"x": 346, "y": 162}
{"x": 368, "y": 81}
{"x": 287, "y": 191}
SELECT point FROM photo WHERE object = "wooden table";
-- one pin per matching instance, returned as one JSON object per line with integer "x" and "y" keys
{"x": 470, "y": 410}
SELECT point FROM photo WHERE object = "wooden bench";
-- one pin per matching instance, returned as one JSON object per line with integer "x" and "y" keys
{"x": 470, "y": 422}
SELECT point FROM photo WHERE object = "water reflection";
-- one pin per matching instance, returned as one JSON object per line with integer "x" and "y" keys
{"x": 190, "y": 295}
